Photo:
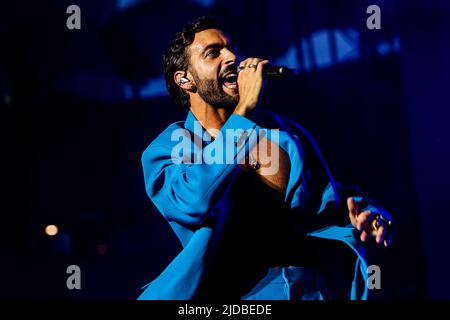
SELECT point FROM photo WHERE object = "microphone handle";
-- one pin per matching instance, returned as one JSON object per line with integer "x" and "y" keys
{"x": 274, "y": 72}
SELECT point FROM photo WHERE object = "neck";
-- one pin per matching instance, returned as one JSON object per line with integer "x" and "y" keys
{"x": 211, "y": 118}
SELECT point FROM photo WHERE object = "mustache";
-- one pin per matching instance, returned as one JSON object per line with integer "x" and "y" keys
{"x": 232, "y": 68}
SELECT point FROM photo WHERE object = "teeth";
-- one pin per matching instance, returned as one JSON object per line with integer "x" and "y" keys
{"x": 230, "y": 75}
{"x": 231, "y": 86}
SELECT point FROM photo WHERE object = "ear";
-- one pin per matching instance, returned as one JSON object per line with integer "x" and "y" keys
{"x": 185, "y": 85}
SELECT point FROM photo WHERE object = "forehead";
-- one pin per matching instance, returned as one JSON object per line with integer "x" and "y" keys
{"x": 207, "y": 37}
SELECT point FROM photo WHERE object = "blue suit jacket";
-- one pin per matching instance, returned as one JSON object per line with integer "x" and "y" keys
{"x": 186, "y": 194}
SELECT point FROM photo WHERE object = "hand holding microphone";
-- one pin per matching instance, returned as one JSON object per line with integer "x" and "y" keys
{"x": 250, "y": 83}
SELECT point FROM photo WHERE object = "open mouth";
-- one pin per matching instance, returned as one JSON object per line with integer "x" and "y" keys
{"x": 230, "y": 81}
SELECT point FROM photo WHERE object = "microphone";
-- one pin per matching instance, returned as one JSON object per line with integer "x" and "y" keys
{"x": 275, "y": 72}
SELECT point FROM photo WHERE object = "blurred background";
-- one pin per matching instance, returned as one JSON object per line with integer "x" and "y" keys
{"x": 78, "y": 108}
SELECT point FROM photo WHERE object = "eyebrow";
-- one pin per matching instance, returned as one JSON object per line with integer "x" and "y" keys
{"x": 220, "y": 45}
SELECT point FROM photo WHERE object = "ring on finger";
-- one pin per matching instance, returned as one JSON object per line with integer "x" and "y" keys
{"x": 375, "y": 223}
{"x": 252, "y": 65}
{"x": 241, "y": 68}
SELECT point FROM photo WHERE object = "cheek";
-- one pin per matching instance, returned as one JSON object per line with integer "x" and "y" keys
{"x": 206, "y": 71}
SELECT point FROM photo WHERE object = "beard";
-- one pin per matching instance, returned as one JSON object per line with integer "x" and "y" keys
{"x": 211, "y": 92}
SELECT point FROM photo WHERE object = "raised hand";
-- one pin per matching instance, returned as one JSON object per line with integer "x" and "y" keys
{"x": 371, "y": 223}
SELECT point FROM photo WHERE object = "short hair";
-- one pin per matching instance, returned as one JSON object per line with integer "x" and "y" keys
{"x": 176, "y": 57}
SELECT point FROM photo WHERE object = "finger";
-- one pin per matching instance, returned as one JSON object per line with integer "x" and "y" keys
{"x": 261, "y": 65}
{"x": 381, "y": 232}
{"x": 388, "y": 241}
{"x": 256, "y": 60}
{"x": 245, "y": 63}
{"x": 364, "y": 219}
{"x": 364, "y": 236}
{"x": 260, "y": 68}
{"x": 388, "y": 236}
{"x": 254, "y": 64}
{"x": 352, "y": 207}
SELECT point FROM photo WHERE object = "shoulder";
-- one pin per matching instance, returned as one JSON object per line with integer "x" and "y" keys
{"x": 274, "y": 120}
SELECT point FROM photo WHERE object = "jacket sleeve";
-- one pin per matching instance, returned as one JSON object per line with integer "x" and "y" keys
{"x": 335, "y": 192}
{"x": 184, "y": 191}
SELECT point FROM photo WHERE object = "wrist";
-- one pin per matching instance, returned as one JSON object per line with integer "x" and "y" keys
{"x": 240, "y": 110}
{"x": 243, "y": 109}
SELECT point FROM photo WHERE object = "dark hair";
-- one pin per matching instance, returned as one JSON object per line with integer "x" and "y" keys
{"x": 177, "y": 58}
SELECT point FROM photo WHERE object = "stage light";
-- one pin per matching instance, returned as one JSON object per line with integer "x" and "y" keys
{"x": 51, "y": 230}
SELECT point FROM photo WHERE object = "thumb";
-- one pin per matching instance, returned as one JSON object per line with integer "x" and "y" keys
{"x": 352, "y": 206}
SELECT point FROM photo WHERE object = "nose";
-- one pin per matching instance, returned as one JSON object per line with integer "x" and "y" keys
{"x": 229, "y": 57}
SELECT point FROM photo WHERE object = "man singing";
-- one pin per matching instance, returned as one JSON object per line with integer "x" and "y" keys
{"x": 247, "y": 191}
